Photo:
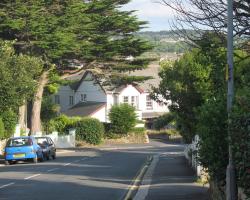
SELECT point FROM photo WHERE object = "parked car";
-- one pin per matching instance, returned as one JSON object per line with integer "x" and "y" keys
{"x": 48, "y": 147}
{"x": 22, "y": 148}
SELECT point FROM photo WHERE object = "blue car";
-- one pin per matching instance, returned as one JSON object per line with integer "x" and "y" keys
{"x": 22, "y": 148}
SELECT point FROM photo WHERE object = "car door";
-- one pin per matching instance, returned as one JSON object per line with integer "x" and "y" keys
{"x": 51, "y": 145}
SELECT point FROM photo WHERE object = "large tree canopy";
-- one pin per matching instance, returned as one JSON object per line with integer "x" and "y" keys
{"x": 96, "y": 33}
{"x": 18, "y": 75}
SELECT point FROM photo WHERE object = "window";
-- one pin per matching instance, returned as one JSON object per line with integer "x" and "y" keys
{"x": 149, "y": 103}
{"x": 83, "y": 97}
{"x": 57, "y": 99}
{"x": 125, "y": 99}
{"x": 134, "y": 101}
{"x": 71, "y": 100}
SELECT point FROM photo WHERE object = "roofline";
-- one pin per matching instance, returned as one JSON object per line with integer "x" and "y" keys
{"x": 135, "y": 86}
{"x": 84, "y": 76}
{"x": 98, "y": 109}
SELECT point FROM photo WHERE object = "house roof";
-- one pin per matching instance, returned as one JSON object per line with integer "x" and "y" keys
{"x": 79, "y": 78}
{"x": 83, "y": 109}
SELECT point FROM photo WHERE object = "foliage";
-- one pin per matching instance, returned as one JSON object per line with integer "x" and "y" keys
{"x": 63, "y": 31}
{"x": 90, "y": 130}
{"x": 62, "y": 123}
{"x": 192, "y": 80}
{"x": 18, "y": 75}
{"x": 9, "y": 119}
{"x": 212, "y": 129}
{"x": 2, "y": 129}
{"x": 241, "y": 137}
{"x": 140, "y": 130}
{"x": 163, "y": 121}
{"x": 123, "y": 118}
{"x": 49, "y": 111}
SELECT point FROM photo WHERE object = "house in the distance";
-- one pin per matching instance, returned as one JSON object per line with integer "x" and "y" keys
{"x": 88, "y": 97}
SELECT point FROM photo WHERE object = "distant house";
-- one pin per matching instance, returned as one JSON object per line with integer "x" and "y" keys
{"x": 88, "y": 97}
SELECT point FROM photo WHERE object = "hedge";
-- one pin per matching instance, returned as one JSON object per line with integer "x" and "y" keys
{"x": 123, "y": 118}
{"x": 90, "y": 130}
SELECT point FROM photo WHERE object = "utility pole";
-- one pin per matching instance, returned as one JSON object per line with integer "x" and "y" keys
{"x": 230, "y": 174}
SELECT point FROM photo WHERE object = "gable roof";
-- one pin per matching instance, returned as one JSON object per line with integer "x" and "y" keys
{"x": 81, "y": 77}
{"x": 83, "y": 109}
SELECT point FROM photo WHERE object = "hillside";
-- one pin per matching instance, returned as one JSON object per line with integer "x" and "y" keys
{"x": 165, "y": 43}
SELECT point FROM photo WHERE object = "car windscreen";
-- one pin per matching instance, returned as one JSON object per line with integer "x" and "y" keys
{"x": 18, "y": 142}
{"x": 42, "y": 141}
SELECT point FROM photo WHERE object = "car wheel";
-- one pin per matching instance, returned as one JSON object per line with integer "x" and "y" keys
{"x": 42, "y": 158}
{"x": 48, "y": 155}
{"x": 54, "y": 156}
{"x": 35, "y": 160}
{"x": 6, "y": 162}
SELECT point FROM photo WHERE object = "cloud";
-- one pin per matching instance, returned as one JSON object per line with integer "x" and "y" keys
{"x": 149, "y": 10}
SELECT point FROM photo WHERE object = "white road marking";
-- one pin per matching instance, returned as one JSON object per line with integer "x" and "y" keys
{"x": 32, "y": 176}
{"x": 4, "y": 186}
{"x": 83, "y": 158}
{"x": 67, "y": 164}
{"x": 77, "y": 160}
{"x": 51, "y": 170}
{"x": 145, "y": 184}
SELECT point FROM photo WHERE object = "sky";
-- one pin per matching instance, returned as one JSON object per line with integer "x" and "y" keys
{"x": 158, "y": 15}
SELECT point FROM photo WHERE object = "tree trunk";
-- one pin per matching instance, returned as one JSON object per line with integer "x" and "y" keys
{"x": 37, "y": 103}
{"x": 22, "y": 117}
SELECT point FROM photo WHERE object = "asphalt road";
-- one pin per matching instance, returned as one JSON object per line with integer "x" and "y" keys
{"x": 108, "y": 173}
{"x": 86, "y": 174}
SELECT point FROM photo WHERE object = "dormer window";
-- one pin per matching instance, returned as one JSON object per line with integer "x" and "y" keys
{"x": 125, "y": 99}
{"x": 83, "y": 97}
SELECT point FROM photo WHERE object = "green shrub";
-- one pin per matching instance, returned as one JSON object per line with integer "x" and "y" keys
{"x": 163, "y": 121}
{"x": 138, "y": 130}
{"x": 123, "y": 118}
{"x": 90, "y": 130}
{"x": 2, "y": 129}
{"x": 241, "y": 138}
{"x": 62, "y": 123}
{"x": 213, "y": 144}
{"x": 9, "y": 119}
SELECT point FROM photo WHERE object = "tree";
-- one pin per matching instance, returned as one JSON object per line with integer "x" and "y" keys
{"x": 200, "y": 15}
{"x": 17, "y": 77}
{"x": 93, "y": 32}
{"x": 122, "y": 118}
{"x": 192, "y": 80}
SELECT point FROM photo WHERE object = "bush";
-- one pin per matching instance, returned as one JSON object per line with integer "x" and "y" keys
{"x": 138, "y": 130}
{"x": 2, "y": 129}
{"x": 213, "y": 144}
{"x": 90, "y": 130}
{"x": 163, "y": 121}
{"x": 9, "y": 119}
{"x": 123, "y": 118}
{"x": 62, "y": 123}
{"x": 241, "y": 138}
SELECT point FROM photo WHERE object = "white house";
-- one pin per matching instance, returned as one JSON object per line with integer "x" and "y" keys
{"x": 88, "y": 97}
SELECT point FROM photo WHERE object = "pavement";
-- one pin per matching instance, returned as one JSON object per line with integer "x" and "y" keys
{"x": 169, "y": 177}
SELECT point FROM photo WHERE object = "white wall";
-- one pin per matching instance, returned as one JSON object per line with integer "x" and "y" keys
{"x": 64, "y": 92}
{"x": 129, "y": 91}
{"x": 93, "y": 90}
{"x": 156, "y": 106}
{"x": 100, "y": 114}
{"x": 63, "y": 141}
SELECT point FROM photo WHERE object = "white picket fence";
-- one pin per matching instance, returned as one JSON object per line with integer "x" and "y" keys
{"x": 191, "y": 154}
{"x": 62, "y": 141}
